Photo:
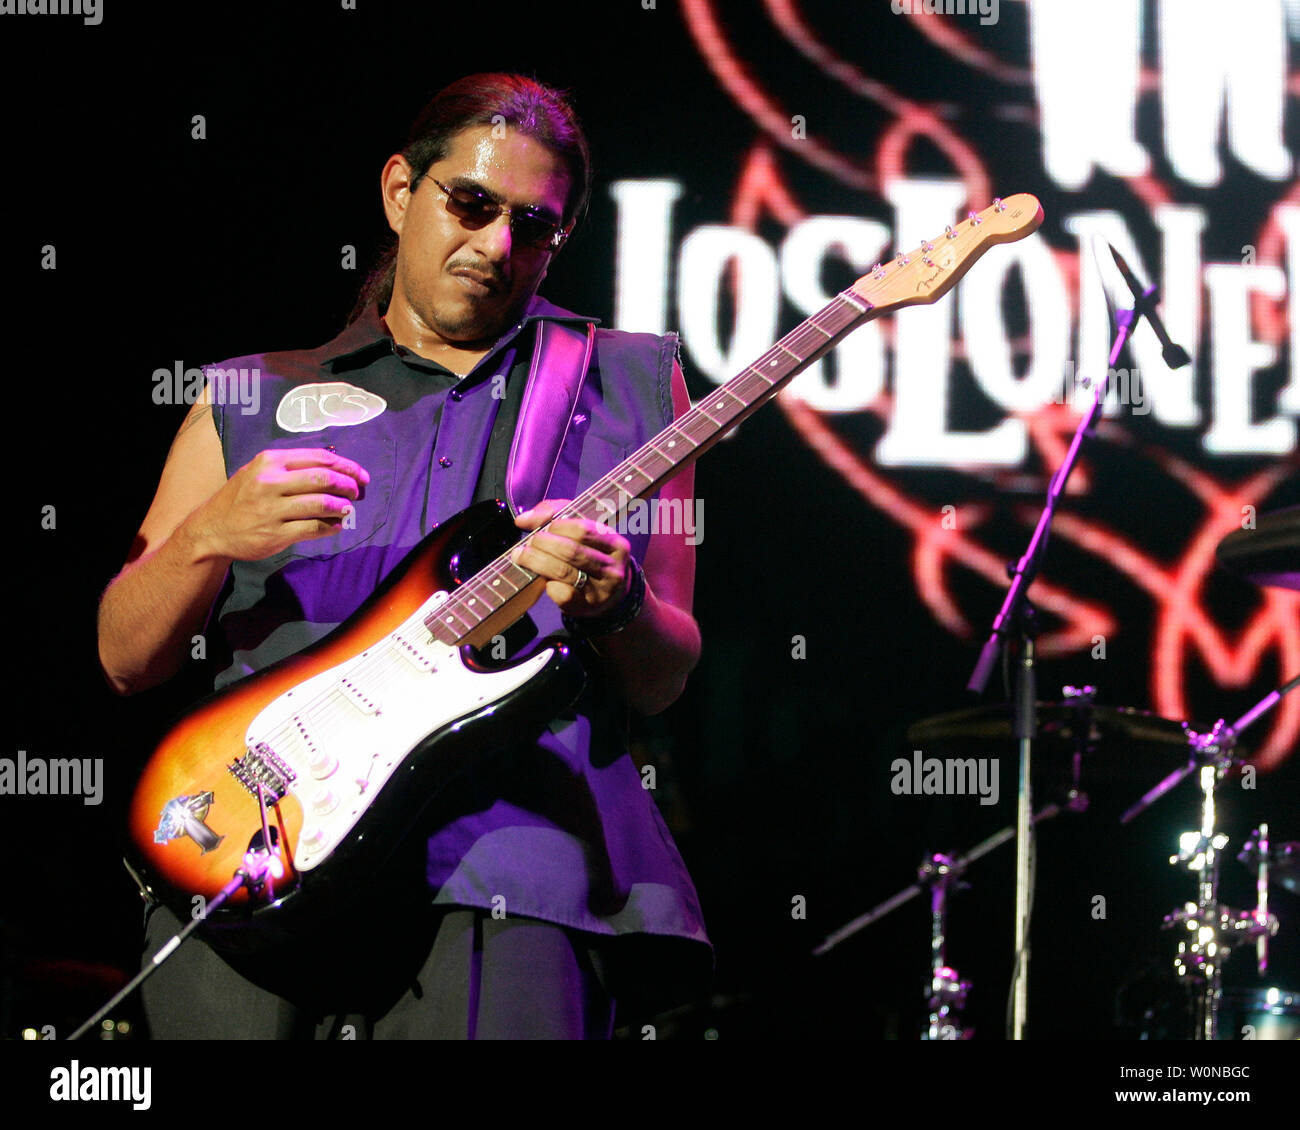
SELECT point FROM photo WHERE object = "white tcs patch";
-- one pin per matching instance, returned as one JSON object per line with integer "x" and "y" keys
{"x": 334, "y": 404}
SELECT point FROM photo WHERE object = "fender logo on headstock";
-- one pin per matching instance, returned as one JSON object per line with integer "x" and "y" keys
{"x": 941, "y": 260}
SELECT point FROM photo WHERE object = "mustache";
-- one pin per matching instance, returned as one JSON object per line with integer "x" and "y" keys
{"x": 486, "y": 271}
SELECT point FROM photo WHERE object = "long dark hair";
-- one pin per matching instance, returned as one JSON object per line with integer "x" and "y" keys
{"x": 532, "y": 108}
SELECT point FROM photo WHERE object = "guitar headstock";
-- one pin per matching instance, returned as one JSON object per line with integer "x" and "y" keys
{"x": 929, "y": 272}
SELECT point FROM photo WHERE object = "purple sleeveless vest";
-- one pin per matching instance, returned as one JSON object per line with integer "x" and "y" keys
{"x": 567, "y": 834}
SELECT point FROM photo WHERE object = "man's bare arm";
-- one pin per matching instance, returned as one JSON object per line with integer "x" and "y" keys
{"x": 153, "y": 607}
{"x": 199, "y": 523}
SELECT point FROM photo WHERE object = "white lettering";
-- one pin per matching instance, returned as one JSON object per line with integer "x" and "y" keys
{"x": 1237, "y": 356}
{"x": 918, "y": 432}
{"x": 705, "y": 256}
{"x": 860, "y": 357}
{"x": 641, "y": 253}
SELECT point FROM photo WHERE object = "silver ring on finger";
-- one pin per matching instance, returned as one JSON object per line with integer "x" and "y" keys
{"x": 582, "y": 580}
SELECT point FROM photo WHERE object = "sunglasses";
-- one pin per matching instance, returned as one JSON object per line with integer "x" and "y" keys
{"x": 477, "y": 208}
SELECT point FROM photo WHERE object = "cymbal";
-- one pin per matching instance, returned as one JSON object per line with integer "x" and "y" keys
{"x": 1121, "y": 741}
{"x": 1283, "y": 864}
{"x": 1267, "y": 555}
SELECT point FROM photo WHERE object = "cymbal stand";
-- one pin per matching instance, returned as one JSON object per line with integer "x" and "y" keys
{"x": 947, "y": 990}
{"x": 1255, "y": 852}
{"x": 1214, "y": 929}
{"x": 947, "y": 993}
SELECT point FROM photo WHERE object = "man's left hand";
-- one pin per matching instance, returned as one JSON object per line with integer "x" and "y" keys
{"x": 569, "y": 549}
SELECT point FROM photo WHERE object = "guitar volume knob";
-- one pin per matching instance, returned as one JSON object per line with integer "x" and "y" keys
{"x": 322, "y": 765}
{"x": 323, "y": 802}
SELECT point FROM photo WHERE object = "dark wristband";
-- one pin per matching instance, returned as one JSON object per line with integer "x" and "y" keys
{"x": 616, "y": 619}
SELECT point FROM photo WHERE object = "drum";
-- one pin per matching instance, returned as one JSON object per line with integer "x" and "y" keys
{"x": 1259, "y": 1014}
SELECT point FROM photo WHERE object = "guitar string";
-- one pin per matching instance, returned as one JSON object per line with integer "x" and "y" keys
{"x": 796, "y": 338}
{"x": 332, "y": 704}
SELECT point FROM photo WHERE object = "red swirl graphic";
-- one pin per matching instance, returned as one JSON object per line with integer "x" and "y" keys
{"x": 1184, "y": 633}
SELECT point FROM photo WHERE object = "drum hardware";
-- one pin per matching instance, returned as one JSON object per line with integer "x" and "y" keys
{"x": 1119, "y": 742}
{"x": 1265, "y": 1013}
{"x": 1256, "y": 852}
{"x": 1283, "y": 863}
{"x": 1215, "y": 929}
{"x": 1265, "y": 704}
{"x": 1267, "y": 555}
{"x": 947, "y": 992}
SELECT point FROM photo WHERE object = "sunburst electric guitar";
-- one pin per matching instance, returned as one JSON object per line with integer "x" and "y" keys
{"x": 323, "y": 761}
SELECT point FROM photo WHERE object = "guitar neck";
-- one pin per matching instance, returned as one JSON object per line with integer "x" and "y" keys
{"x": 698, "y": 429}
{"x": 647, "y": 469}
{"x": 916, "y": 277}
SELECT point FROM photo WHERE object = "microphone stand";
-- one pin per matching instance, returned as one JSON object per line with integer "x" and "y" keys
{"x": 1015, "y": 620}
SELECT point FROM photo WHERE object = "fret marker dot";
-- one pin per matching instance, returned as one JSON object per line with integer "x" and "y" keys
{"x": 672, "y": 443}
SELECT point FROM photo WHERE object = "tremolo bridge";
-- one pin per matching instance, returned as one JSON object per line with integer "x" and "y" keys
{"x": 261, "y": 765}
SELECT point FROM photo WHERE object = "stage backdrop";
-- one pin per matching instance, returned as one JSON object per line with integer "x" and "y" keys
{"x": 186, "y": 187}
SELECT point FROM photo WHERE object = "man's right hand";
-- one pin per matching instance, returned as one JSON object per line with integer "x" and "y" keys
{"x": 199, "y": 522}
{"x": 277, "y": 498}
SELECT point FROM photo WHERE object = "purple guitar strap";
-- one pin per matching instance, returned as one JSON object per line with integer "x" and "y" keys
{"x": 561, "y": 357}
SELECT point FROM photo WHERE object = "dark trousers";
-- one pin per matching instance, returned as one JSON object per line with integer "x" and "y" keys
{"x": 450, "y": 974}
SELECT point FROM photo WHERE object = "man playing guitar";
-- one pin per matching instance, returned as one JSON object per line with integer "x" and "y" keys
{"x": 545, "y": 888}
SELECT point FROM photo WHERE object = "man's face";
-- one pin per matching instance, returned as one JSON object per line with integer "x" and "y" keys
{"x": 468, "y": 281}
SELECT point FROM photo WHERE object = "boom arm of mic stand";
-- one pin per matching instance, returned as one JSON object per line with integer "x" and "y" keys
{"x": 1011, "y": 616}
{"x": 908, "y": 893}
{"x": 1027, "y": 567}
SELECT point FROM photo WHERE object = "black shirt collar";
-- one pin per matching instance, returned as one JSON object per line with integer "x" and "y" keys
{"x": 368, "y": 336}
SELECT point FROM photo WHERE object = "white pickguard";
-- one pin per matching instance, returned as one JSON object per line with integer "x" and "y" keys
{"x": 344, "y": 732}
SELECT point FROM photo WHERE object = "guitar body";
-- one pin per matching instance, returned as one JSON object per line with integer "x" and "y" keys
{"x": 349, "y": 739}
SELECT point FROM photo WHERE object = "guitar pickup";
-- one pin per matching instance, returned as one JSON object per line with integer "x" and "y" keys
{"x": 320, "y": 762}
{"x": 413, "y": 653}
{"x": 358, "y": 697}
